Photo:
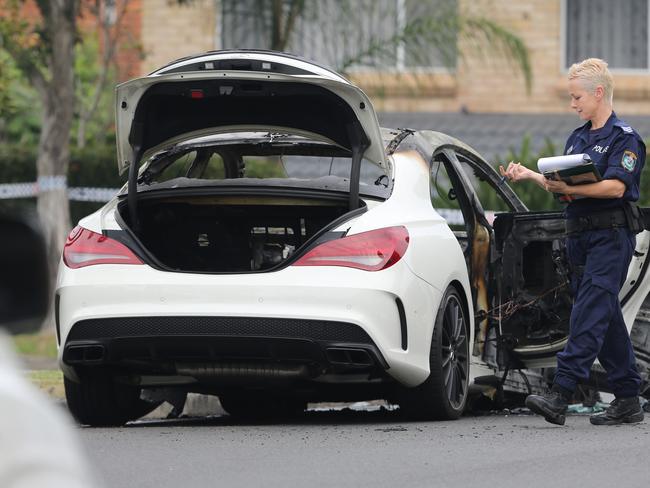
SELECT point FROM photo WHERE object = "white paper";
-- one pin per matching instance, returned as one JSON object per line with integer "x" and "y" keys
{"x": 557, "y": 163}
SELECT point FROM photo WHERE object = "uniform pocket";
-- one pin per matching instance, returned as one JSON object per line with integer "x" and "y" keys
{"x": 608, "y": 258}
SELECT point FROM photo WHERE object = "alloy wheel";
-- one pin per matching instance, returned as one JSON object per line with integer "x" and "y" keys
{"x": 454, "y": 352}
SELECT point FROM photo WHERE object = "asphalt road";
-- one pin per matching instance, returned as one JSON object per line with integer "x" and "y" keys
{"x": 370, "y": 449}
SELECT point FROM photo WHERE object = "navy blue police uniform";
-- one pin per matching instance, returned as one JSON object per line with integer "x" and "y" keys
{"x": 600, "y": 258}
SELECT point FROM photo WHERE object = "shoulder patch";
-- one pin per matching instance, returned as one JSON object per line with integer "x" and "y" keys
{"x": 628, "y": 161}
{"x": 627, "y": 129}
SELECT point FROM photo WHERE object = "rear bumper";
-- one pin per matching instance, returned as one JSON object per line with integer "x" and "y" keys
{"x": 167, "y": 345}
{"x": 337, "y": 319}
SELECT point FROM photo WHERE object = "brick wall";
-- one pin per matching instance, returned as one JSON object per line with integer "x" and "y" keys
{"x": 485, "y": 81}
{"x": 129, "y": 51}
{"x": 491, "y": 84}
{"x": 171, "y": 31}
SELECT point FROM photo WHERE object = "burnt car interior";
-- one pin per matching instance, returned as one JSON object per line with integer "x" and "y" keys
{"x": 534, "y": 277}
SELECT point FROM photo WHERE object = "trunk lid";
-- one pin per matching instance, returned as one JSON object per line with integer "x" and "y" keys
{"x": 240, "y": 88}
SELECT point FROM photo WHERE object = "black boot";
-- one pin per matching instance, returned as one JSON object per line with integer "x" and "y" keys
{"x": 552, "y": 405}
{"x": 620, "y": 411}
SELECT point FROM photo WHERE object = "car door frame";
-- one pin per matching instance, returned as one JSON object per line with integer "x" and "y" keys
{"x": 479, "y": 252}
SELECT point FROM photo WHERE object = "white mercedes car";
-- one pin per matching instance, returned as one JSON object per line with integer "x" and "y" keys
{"x": 274, "y": 246}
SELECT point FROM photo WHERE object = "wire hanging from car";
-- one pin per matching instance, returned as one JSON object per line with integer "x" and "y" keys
{"x": 508, "y": 308}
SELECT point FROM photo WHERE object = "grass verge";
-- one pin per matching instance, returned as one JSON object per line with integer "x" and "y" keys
{"x": 40, "y": 344}
{"x": 48, "y": 381}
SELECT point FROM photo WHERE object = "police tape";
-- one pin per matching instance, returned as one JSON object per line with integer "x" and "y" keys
{"x": 453, "y": 216}
{"x": 17, "y": 190}
{"x": 77, "y": 194}
{"x": 84, "y": 194}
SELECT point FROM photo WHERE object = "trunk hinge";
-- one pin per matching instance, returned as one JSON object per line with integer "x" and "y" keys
{"x": 132, "y": 196}
{"x": 355, "y": 174}
{"x": 132, "y": 189}
{"x": 358, "y": 148}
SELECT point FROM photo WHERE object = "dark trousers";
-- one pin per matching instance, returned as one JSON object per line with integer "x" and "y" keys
{"x": 597, "y": 328}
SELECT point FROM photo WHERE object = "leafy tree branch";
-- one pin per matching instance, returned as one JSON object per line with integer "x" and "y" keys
{"x": 438, "y": 34}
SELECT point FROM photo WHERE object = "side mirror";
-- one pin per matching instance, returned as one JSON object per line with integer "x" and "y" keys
{"x": 24, "y": 277}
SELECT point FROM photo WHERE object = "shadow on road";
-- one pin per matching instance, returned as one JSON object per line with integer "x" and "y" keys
{"x": 391, "y": 418}
{"x": 331, "y": 417}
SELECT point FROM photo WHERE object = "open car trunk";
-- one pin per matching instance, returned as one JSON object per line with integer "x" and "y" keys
{"x": 230, "y": 233}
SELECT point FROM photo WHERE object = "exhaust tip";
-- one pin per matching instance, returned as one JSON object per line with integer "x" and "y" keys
{"x": 353, "y": 357}
{"x": 84, "y": 354}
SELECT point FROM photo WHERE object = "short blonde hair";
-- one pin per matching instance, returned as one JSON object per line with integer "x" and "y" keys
{"x": 593, "y": 72}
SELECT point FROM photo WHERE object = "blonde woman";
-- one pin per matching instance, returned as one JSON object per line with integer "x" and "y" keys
{"x": 599, "y": 247}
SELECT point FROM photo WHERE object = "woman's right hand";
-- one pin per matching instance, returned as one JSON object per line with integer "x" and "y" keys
{"x": 515, "y": 172}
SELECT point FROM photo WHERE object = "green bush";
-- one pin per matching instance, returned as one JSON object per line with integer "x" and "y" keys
{"x": 93, "y": 166}
{"x": 17, "y": 163}
{"x": 532, "y": 195}
{"x": 20, "y": 105}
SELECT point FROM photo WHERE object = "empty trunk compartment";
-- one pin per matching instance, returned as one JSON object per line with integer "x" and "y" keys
{"x": 227, "y": 234}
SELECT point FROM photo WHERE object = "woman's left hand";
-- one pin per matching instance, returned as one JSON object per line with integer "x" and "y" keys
{"x": 557, "y": 186}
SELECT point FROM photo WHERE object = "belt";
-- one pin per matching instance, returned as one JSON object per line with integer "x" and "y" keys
{"x": 604, "y": 220}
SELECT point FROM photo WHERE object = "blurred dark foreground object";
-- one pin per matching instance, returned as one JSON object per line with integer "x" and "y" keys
{"x": 24, "y": 287}
{"x": 38, "y": 442}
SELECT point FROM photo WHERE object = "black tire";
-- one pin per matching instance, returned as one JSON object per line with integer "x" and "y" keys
{"x": 443, "y": 395}
{"x": 259, "y": 406}
{"x": 100, "y": 401}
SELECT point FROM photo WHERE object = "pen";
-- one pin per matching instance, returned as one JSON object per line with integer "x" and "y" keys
{"x": 504, "y": 177}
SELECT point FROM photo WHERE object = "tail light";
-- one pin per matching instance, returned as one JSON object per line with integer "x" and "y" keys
{"x": 85, "y": 248}
{"x": 370, "y": 251}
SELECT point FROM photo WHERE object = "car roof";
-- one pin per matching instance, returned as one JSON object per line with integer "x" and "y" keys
{"x": 437, "y": 139}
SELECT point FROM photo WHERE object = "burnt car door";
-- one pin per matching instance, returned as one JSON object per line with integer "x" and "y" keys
{"x": 527, "y": 318}
{"x": 473, "y": 228}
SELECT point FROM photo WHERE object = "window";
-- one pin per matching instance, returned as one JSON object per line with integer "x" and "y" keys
{"x": 351, "y": 34}
{"x": 614, "y": 31}
{"x": 289, "y": 158}
{"x": 444, "y": 196}
{"x": 490, "y": 197}
{"x": 190, "y": 164}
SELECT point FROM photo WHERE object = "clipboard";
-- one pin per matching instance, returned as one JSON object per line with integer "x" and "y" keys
{"x": 575, "y": 169}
